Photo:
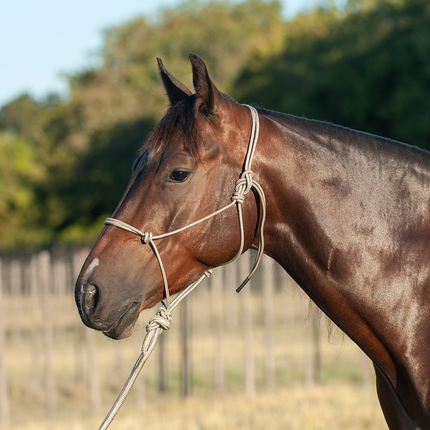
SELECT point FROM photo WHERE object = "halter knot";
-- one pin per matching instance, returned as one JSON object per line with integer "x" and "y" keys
{"x": 209, "y": 272}
{"x": 247, "y": 175}
{"x": 161, "y": 319}
{"x": 242, "y": 187}
{"x": 147, "y": 237}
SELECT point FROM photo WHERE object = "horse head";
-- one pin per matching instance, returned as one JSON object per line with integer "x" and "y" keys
{"x": 185, "y": 171}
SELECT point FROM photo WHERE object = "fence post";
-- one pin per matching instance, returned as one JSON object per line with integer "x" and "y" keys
{"x": 313, "y": 350}
{"x": 15, "y": 290}
{"x": 140, "y": 382}
{"x": 33, "y": 270}
{"x": 45, "y": 278}
{"x": 89, "y": 335}
{"x": 216, "y": 281}
{"x": 244, "y": 269}
{"x": 185, "y": 348}
{"x": 60, "y": 282}
{"x": 93, "y": 379}
{"x": 268, "y": 290}
{"x": 161, "y": 364}
{"x": 366, "y": 367}
{"x": 118, "y": 364}
{"x": 232, "y": 305}
{"x": 4, "y": 398}
{"x": 75, "y": 262}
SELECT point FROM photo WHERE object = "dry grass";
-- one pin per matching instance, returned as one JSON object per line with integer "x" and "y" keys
{"x": 340, "y": 403}
{"x": 330, "y": 407}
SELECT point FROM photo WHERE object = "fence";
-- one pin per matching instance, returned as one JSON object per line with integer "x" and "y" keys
{"x": 267, "y": 337}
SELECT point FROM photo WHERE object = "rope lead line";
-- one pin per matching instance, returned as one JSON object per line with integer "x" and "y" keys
{"x": 161, "y": 321}
{"x": 156, "y": 325}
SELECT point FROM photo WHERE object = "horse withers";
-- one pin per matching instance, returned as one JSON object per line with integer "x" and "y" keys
{"x": 348, "y": 217}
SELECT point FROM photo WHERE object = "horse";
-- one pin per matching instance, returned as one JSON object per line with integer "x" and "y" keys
{"x": 348, "y": 217}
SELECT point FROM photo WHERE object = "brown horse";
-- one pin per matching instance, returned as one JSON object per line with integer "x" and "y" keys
{"x": 348, "y": 217}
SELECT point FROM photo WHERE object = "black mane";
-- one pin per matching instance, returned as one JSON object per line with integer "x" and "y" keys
{"x": 333, "y": 135}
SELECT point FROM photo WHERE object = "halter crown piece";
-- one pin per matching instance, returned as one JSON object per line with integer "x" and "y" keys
{"x": 161, "y": 321}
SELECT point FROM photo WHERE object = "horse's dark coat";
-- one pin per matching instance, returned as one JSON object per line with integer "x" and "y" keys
{"x": 348, "y": 218}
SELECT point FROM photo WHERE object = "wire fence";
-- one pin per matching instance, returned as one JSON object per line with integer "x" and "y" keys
{"x": 267, "y": 337}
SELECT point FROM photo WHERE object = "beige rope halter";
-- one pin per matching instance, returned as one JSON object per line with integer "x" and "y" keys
{"x": 161, "y": 321}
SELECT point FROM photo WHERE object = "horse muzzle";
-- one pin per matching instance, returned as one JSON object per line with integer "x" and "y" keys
{"x": 120, "y": 321}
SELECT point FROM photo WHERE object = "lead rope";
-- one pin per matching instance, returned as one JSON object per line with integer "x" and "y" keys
{"x": 161, "y": 320}
{"x": 156, "y": 325}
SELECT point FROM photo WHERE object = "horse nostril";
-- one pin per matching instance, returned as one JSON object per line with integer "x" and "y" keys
{"x": 89, "y": 299}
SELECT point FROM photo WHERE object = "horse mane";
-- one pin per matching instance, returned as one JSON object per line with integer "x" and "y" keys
{"x": 337, "y": 135}
{"x": 180, "y": 122}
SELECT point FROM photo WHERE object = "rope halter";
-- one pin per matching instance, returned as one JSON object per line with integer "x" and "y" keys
{"x": 242, "y": 187}
{"x": 161, "y": 321}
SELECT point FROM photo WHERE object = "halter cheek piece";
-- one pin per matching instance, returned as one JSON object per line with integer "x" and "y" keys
{"x": 243, "y": 185}
{"x": 161, "y": 321}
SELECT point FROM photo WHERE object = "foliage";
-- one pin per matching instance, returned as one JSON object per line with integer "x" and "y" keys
{"x": 367, "y": 69}
{"x": 19, "y": 171}
{"x": 365, "y": 66}
{"x": 87, "y": 143}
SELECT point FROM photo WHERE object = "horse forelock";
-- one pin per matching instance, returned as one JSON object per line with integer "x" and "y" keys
{"x": 178, "y": 124}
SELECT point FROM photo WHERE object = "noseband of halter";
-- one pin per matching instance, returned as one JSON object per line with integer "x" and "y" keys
{"x": 243, "y": 185}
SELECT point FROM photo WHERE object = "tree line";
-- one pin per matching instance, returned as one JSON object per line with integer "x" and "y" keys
{"x": 65, "y": 161}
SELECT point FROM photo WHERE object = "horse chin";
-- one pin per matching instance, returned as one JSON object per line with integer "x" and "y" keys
{"x": 125, "y": 325}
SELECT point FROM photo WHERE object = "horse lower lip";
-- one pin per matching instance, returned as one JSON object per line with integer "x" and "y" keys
{"x": 123, "y": 327}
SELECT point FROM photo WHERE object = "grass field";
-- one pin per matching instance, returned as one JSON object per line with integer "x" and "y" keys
{"x": 345, "y": 399}
{"x": 329, "y": 407}
{"x": 341, "y": 402}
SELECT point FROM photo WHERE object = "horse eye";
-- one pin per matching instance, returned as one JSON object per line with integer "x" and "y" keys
{"x": 179, "y": 176}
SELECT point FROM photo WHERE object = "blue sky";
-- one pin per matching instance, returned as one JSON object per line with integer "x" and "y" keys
{"x": 41, "y": 40}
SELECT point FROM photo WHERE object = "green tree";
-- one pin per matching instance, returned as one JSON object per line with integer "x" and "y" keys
{"x": 86, "y": 144}
{"x": 25, "y": 116}
{"x": 366, "y": 68}
{"x": 19, "y": 171}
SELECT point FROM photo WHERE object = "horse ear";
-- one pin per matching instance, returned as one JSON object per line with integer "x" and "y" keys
{"x": 176, "y": 91}
{"x": 204, "y": 87}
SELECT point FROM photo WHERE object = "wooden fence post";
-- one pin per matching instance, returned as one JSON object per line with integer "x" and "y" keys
{"x": 118, "y": 364}
{"x": 33, "y": 270}
{"x": 366, "y": 367}
{"x": 89, "y": 335}
{"x": 247, "y": 326}
{"x": 161, "y": 363}
{"x": 93, "y": 378}
{"x": 232, "y": 304}
{"x": 59, "y": 272}
{"x": 4, "y": 397}
{"x": 15, "y": 290}
{"x": 313, "y": 350}
{"x": 217, "y": 293}
{"x": 45, "y": 278}
{"x": 185, "y": 348}
{"x": 140, "y": 382}
{"x": 268, "y": 291}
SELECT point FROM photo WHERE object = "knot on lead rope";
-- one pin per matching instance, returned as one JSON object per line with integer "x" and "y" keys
{"x": 147, "y": 237}
{"x": 161, "y": 319}
{"x": 242, "y": 187}
{"x": 209, "y": 272}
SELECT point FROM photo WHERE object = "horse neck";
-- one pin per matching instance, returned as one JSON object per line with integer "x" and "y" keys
{"x": 301, "y": 159}
{"x": 335, "y": 217}
{"x": 318, "y": 177}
